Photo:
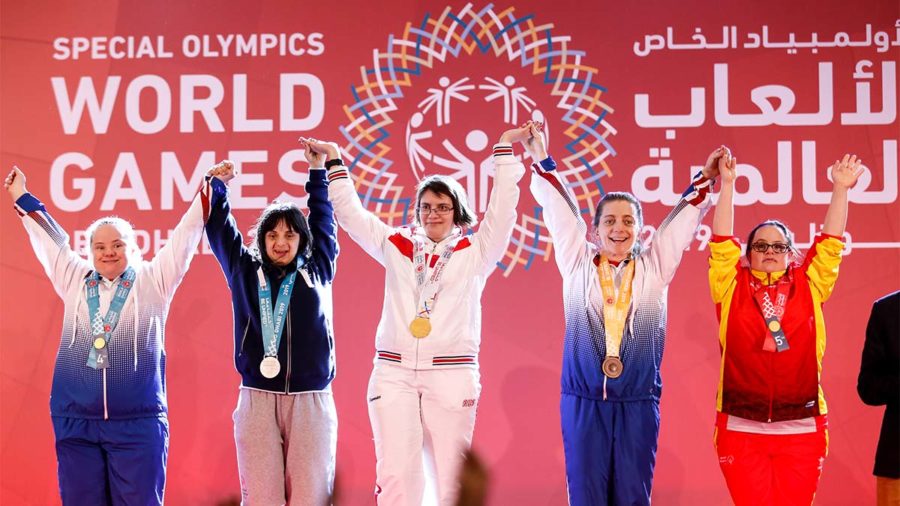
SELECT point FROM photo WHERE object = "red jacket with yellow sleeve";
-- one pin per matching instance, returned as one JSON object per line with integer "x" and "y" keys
{"x": 763, "y": 385}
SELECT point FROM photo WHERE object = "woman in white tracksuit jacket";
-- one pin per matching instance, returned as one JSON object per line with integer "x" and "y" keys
{"x": 424, "y": 390}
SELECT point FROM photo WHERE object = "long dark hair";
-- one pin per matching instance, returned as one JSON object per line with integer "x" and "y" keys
{"x": 275, "y": 213}
{"x": 463, "y": 216}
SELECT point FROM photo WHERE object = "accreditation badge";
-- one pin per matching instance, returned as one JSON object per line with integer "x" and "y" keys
{"x": 270, "y": 367}
{"x": 612, "y": 367}
{"x": 420, "y": 327}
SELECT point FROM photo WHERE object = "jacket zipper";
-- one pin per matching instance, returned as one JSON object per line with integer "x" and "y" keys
{"x": 771, "y": 363}
{"x": 287, "y": 374}
{"x": 243, "y": 339}
{"x": 105, "y": 407}
{"x": 771, "y": 386}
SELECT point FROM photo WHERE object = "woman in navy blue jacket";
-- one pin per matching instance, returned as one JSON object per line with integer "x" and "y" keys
{"x": 285, "y": 424}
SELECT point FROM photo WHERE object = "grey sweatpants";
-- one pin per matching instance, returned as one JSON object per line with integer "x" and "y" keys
{"x": 286, "y": 445}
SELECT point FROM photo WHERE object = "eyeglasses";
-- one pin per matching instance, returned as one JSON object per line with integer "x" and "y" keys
{"x": 778, "y": 247}
{"x": 439, "y": 210}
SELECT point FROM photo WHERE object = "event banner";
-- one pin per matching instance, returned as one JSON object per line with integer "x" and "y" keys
{"x": 120, "y": 108}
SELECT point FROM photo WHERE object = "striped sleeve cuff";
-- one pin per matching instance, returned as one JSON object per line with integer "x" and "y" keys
{"x": 699, "y": 189}
{"x": 503, "y": 150}
{"x": 338, "y": 172}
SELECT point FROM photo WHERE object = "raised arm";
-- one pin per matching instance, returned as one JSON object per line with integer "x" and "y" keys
{"x": 500, "y": 216}
{"x": 723, "y": 218}
{"x": 224, "y": 237}
{"x": 824, "y": 257}
{"x": 171, "y": 263}
{"x": 724, "y": 250}
{"x": 321, "y": 213}
{"x": 363, "y": 226}
{"x": 49, "y": 241}
{"x": 561, "y": 213}
{"x": 844, "y": 173}
{"x": 676, "y": 232}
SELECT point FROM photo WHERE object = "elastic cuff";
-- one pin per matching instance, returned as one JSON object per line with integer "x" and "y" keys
{"x": 338, "y": 172}
{"x": 503, "y": 150}
{"x": 548, "y": 164}
{"x": 722, "y": 238}
{"x": 29, "y": 203}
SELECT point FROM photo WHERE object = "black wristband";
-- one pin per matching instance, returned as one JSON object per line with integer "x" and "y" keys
{"x": 333, "y": 162}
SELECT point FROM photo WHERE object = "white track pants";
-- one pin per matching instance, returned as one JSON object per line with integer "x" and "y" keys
{"x": 414, "y": 411}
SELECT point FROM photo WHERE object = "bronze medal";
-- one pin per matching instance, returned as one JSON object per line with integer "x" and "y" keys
{"x": 612, "y": 367}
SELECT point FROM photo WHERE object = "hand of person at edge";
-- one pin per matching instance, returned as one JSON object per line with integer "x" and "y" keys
{"x": 15, "y": 183}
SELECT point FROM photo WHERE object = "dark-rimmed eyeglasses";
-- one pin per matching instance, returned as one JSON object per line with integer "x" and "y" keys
{"x": 777, "y": 247}
{"x": 439, "y": 210}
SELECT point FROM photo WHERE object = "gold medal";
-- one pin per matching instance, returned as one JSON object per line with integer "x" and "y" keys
{"x": 99, "y": 343}
{"x": 420, "y": 327}
{"x": 612, "y": 367}
{"x": 774, "y": 326}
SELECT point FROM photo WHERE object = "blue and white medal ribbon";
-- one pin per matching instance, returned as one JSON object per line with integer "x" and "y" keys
{"x": 102, "y": 327}
{"x": 272, "y": 320}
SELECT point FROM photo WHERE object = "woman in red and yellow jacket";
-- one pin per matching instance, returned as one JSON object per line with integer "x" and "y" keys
{"x": 771, "y": 434}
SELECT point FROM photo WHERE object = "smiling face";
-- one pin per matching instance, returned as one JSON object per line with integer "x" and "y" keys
{"x": 436, "y": 215}
{"x": 770, "y": 261}
{"x": 110, "y": 251}
{"x": 282, "y": 244}
{"x": 617, "y": 229}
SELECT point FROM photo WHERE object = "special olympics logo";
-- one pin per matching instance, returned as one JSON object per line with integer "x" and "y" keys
{"x": 430, "y": 148}
{"x": 537, "y": 75}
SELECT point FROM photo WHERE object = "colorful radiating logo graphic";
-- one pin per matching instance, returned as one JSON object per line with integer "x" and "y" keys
{"x": 411, "y": 117}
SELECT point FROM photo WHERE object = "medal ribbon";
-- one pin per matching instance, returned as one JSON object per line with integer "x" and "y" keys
{"x": 772, "y": 312}
{"x": 272, "y": 320}
{"x": 428, "y": 289}
{"x": 615, "y": 309}
{"x": 103, "y": 327}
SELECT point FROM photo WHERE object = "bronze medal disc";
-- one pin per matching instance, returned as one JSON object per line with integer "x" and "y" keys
{"x": 612, "y": 367}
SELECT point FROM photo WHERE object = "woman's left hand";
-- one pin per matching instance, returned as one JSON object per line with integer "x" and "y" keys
{"x": 846, "y": 171}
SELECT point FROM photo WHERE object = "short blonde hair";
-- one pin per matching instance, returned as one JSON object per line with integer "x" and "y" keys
{"x": 125, "y": 229}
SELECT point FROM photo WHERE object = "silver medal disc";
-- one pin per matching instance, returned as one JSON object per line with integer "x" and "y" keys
{"x": 270, "y": 367}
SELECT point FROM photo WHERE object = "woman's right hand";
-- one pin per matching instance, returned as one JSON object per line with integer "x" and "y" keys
{"x": 721, "y": 163}
{"x": 15, "y": 183}
{"x": 535, "y": 145}
{"x": 223, "y": 170}
{"x": 318, "y": 152}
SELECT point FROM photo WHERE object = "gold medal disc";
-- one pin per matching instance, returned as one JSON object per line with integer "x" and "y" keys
{"x": 420, "y": 327}
{"x": 612, "y": 367}
{"x": 99, "y": 343}
{"x": 774, "y": 326}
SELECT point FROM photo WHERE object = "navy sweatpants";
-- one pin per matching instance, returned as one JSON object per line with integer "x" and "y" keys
{"x": 105, "y": 462}
{"x": 610, "y": 450}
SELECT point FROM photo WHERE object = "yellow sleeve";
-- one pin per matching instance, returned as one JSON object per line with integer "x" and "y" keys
{"x": 822, "y": 265}
{"x": 724, "y": 257}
